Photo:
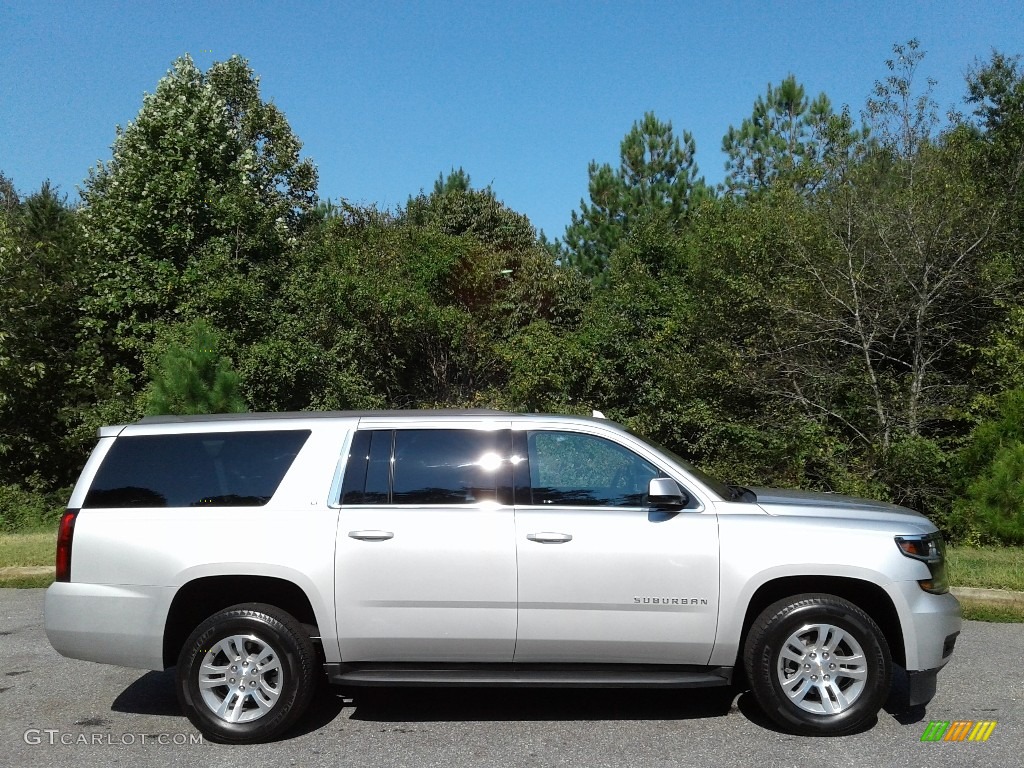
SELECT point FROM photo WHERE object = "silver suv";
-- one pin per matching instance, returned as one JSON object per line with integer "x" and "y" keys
{"x": 260, "y": 552}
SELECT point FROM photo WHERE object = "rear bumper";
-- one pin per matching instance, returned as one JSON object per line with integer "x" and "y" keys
{"x": 106, "y": 623}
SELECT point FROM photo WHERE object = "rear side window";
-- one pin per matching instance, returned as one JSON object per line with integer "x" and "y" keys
{"x": 429, "y": 466}
{"x": 233, "y": 469}
{"x": 448, "y": 466}
{"x": 368, "y": 472}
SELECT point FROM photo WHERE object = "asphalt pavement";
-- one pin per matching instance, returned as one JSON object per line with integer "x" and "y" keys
{"x": 56, "y": 712}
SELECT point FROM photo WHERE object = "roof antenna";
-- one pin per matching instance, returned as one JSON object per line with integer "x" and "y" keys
{"x": 598, "y": 415}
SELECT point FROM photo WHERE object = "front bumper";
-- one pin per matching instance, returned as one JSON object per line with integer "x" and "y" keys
{"x": 921, "y": 686}
{"x": 921, "y": 683}
{"x": 930, "y": 626}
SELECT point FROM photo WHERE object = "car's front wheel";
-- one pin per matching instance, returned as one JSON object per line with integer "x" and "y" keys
{"x": 818, "y": 665}
{"x": 246, "y": 674}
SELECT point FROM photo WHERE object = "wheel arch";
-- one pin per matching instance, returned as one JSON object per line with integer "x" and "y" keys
{"x": 200, "y": 598}
{"x": 869, "y": 597}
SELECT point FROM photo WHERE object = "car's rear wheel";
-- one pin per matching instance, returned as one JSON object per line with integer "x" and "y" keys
{"x": 246, "y": 674}
{"x": 818, "y": 664}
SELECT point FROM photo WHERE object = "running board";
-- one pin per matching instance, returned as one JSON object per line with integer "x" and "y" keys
{"x": 529, "y": 675}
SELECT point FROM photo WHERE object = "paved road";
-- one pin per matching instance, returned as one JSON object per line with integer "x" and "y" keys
{"x": 114, "y": 716}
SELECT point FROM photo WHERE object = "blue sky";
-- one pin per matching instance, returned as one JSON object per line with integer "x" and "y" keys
{"x": 523, "y": 95}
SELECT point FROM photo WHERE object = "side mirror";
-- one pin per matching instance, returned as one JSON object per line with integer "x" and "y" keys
{"x": 664, "y": 493}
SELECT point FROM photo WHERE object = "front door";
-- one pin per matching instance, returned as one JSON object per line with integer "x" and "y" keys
{"x": 602, "y": 578}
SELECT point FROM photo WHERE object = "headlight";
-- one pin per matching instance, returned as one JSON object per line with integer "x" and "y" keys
{"x": 930, "y": 549}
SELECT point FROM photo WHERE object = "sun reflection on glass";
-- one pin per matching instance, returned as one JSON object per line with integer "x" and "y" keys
{"x": 489, "y": 462}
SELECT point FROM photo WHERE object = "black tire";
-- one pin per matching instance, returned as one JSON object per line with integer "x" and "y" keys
{"x": 259, "y": 702}
{"x": 835, "y": 690}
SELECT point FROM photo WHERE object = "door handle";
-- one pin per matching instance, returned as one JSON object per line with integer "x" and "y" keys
{"x": 547, "y": 537}
{"x": 371, "y": 535}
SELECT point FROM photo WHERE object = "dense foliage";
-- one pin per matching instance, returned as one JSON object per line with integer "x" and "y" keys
{"x": 845, "y": 313}
{"x": 192, "y": 377}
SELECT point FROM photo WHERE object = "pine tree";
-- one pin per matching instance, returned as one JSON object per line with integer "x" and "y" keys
{"x": 194, "y": 378}
{"x": 788, "y": 136}
{"x": 657, "y": 177}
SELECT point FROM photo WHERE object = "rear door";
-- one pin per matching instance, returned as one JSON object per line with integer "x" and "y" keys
{"x": 426, "y": 560}
{"x": 603, "y": 579}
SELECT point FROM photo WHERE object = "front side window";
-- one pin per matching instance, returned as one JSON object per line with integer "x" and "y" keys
{"x": 575, "y": 469}
{"x": 428, "y": 466}
{"x": 234, "y": 469}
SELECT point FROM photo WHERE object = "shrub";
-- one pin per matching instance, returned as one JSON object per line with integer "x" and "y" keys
{"x": 995, "y": 501}
{"x": 23, "y": 509}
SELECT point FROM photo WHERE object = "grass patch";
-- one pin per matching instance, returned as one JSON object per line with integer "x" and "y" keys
{"x": 998, "y": 613}
{"x": 986, "y": 567}
{"x": 37, "y": 548}
{"x": 26, "y": 582}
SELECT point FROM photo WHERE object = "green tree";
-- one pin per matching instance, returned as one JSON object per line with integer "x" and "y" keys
{"x": 455, "y": 208}
{"x": 195, "y": 215}
{"x": 896, "y": 277}
{"x": 990, "y": 508}
{"x": 1003, "y": 428}
{"x": 193, "y": 377}
{"x": 8, "y": 195}
{"x": 656, "y": 177}
{"x": 1003, "y": 355}
{"x": 455, "y": 181}
{"x": 903, "y": 116}
{"x": 372, "y": 314}
{"x": 996, "y": 498}
{"x": 43, "y": 273}
{"x": 510, "y": 280}
{"x": 788, "y": 137}
{"x": 407, "y": 310}
{"x": 207, "y": 171}
{"x": 995, "y": 89}
{"x": 885, "y": 308}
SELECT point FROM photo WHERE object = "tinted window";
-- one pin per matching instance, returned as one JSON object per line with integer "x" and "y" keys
{"x": 368, "y": 471}
{"x": 378, "y": 473}
{"x": 568, "y": 468}
{"x": 355, "y": 468}
{"x": 451, "y": 466}
{"x": 190, "y": 470}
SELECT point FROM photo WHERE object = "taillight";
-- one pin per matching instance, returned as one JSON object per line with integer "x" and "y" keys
{"x": 65, "y": 534}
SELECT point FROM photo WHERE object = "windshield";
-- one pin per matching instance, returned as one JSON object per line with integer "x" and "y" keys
{"x": 724, "y": 491}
